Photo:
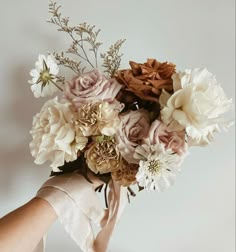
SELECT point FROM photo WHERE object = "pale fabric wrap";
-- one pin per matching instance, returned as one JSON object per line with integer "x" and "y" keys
{"x": 77, "y": 206}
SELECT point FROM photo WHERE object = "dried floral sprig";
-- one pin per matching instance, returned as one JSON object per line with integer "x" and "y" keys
{"x": 80, "y": 34}
{"x": 69, "y": 63}
{"x": 61, "y": 79}
{"x": 112, "y": 58}
{"x": 87, "y": 34}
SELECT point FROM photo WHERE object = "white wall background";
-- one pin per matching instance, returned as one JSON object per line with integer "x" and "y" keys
{"x": 197, "y": 214}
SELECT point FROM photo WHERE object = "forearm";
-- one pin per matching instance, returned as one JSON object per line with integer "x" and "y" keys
{"x": 22, "y": 229}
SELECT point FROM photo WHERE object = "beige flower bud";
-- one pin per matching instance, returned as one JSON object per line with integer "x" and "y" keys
{"x": 102, "y": 157}
{"x": 125, "y": 175}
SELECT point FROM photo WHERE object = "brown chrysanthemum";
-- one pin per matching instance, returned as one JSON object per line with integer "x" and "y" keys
{"x": 147, "y": 80}
{"x": 125, "y": 175}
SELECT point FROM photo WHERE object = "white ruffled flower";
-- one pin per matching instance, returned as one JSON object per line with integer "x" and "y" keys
{"x": 101, "y": 118}
{"x": 44, "y": 76}
{"x": 56, "y": 137}
{"x": 196, "y": 106}
{"x": 157, "y": 166}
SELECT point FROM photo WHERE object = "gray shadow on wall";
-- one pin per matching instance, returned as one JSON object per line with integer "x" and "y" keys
{"x": 14, "y": 147}
{"x": 17, "y": 115}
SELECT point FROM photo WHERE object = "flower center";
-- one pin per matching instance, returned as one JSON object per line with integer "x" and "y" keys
{"x": 154, "y": 166}
{"x": 45, "y": 76}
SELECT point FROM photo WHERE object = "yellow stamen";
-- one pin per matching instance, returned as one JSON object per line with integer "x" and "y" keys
{"x": 154, "y": 166}
{"x": 45, "y": 77}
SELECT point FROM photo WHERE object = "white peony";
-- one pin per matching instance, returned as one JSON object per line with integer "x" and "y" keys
{"x": 56, "y": 137}
{"x": 43, "y": 82}
{"x": 157, "y": 167}
{"x": 196, "y": 106}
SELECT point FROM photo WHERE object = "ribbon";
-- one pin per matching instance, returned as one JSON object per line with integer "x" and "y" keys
{"x": 77, "y": 207}
{"x": 41, "y": 246}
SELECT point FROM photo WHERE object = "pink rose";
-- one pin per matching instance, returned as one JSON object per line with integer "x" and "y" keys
{"x": 133, "y": 129}
{"x": 172, "y": 140}
{"x": 91, "y": 87}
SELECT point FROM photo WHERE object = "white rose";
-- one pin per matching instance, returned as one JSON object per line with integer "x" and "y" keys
{"x": 196, "y": 106}
{"x": 56, "y": 138}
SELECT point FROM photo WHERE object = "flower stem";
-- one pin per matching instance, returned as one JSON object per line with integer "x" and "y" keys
{"x": 132, "y": 193}
{"x": 105, "y": 195}
{"x": 55, "y": 84}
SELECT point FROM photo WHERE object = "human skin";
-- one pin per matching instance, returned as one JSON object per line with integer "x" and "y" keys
{"x": 22, "y": 229}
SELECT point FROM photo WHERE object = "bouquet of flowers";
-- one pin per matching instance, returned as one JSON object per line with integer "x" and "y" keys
{"x": 130, "y": 126}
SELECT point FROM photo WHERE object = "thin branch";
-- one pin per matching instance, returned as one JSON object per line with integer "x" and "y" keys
{"x": 55, "y": 84}
{"x": 80, "y": 30}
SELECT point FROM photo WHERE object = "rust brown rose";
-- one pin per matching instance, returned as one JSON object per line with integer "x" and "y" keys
{"x": 147, "y": 80}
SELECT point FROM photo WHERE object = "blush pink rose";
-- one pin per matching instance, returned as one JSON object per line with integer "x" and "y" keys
{"x": 172, "y": 140}
{"x": 133, "y": 129}
{"x": 91, "y": 87}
